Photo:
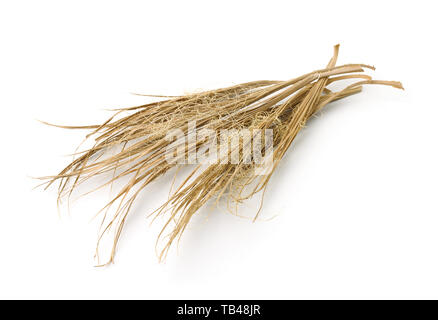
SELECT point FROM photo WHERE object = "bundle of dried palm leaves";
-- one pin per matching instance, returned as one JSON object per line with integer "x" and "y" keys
{"x": 142, "y": 134}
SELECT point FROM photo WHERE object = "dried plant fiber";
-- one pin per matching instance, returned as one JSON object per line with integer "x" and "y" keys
{"x": 140, "y": 134}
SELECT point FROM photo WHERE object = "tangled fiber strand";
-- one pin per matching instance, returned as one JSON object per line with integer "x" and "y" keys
{"x": 282, "y": 106}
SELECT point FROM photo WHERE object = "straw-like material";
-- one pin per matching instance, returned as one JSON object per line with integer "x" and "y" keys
{"x": 283, "y": 106}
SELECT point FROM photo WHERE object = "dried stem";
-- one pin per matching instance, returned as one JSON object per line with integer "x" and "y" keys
{"x": 283, "y": 106}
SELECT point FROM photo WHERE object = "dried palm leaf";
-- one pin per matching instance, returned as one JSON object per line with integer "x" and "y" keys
{"x": 143, "y": 134}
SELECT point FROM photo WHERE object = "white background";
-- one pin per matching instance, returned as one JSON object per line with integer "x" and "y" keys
{"x": 354, "y": 201}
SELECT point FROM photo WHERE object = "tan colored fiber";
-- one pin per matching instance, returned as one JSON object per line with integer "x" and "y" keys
{"x": 283, "y": 106}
